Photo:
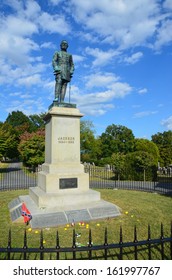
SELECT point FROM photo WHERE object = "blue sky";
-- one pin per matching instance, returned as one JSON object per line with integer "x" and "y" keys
{"x": 122, "y": 51}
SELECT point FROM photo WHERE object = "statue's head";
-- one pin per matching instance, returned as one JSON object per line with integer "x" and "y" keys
{"x": 64, "y": 45}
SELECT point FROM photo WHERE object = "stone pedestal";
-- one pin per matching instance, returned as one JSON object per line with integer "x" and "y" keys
{"x": 62, "y": 180}
{"x": 62, "y": 194}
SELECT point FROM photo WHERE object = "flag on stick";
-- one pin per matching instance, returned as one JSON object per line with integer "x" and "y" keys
{"x": 26, "y": 214}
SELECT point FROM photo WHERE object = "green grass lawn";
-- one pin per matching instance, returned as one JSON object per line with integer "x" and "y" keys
{"x": 137, "y": 208}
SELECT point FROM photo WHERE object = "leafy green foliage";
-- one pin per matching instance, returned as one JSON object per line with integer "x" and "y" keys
{"x": 110, "y": 148}
{"x": 32, "y": 147}
{"x": 8, "y": 141}
{"x": 164, "y": 143}
{"x": 140, "y": 165}
{"x": 117, "y": 139}
{"x": 149, "y": 147}
{"x": 23, "y": 123}
{"x": 20, "y": 121}
{"x": 90, "y": 146}
{"x": 118, "y": 164}
{"x": 37, "y": 121}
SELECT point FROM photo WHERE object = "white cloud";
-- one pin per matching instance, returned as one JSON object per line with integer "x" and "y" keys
{"x": 101, "y": 57}
{"x": 100, "y": 80}
{"x": 145, "y": 114}
{"x": 164, "y": 34}
{"x": 99, "y": 102}
{"x": 133, "y": 58}
{"x": 143, "y": 91}
{"x": 92, "y": 104}
{"x": 53, "y": 23}
{"x": 124, "y": 22}
{"x": 28, "y": 106}
{"x": 78, "y": 58}
{"x": 30, "y": 80}
{"x": 167, "y": 4}
{"x": 167, "y": 123}
{"x": 17, "y": 43}
{"x": 18, "y": 26}
{"x": 55, "y": 2}
{"x": 32, "y": 9}
{"x": 47, "y": 45}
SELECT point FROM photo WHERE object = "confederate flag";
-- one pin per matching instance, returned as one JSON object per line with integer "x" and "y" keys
{"x": 26, "y": 214}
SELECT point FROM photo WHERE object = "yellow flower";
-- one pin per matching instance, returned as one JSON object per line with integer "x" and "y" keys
{"x": 98, "y": 225}
{"x": 29, "y": 229}
{"x": 36, "y": 231}
{"x": 44, "y": 241}
{"x": 126, "y": 212}
{"x": 65, "y": 228}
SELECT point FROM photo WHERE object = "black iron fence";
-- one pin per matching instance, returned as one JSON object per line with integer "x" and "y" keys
{"x": 149, "y": 249}
{"x": 103, "y": 177}
{"x": 15, "y": 176}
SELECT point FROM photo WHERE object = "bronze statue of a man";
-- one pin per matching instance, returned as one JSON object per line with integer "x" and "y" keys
{"x": 63, "y": 70}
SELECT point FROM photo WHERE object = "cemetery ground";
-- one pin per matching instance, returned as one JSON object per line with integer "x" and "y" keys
{"x": 138, "y": 209}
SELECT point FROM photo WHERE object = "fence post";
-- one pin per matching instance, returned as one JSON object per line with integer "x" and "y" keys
{"x": 162, "y": 241}
{"x": 9, "y": 244}
{"x": 90, "y": 245}
{"x": 149, "y": 242}
{"x": 57, "y": 245}
{"x": 171, "y": 241}
{"x": 120, "y": 243}
{"x": 74, "y": 245}
{"x": 41, "y": 246}
{"x": 106, "y": 243}
{"x": 135, "y": 241}
{"x": 25, "y": 245}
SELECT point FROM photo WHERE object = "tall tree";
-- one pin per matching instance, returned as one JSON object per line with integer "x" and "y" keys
{"x": 8, "y": 142}
{"x": 148, "y": 146}
{"x": 32, "y": 147}
{"x": 164, "y": 143}
{"x": 118, "y": 164}
{"x": 37, "y": 121}
{"x": 90, "y": 146}
{"x": 19, "y": 121}
{"x": 117, "y": 139}
{"x": 140, "y": 165}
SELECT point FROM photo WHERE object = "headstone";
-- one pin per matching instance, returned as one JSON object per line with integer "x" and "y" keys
{"x": 48, "y": 220}
{"x": 77, "y": 215}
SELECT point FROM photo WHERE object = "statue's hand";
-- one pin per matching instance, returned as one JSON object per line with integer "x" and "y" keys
{"x": 57, "y": 72}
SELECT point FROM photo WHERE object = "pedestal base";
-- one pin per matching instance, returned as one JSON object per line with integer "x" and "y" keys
{"x": 64, "y": 199}
{"x": 53, "y": 217}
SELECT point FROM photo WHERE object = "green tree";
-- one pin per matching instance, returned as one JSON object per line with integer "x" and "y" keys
{"x": 148, "y": 146}
{"x": 8, "y": 142}
{"x": 118, "y": 164}
{"x": 90, "y": 146}
{"x": 19, "y": 121}
{"x": 117, "y": 139}
{"x": 140, "y": 165}
{"x": 37, "y": 121}
{"x": 164, "y": 143}
{"x": 32, "y": 148}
